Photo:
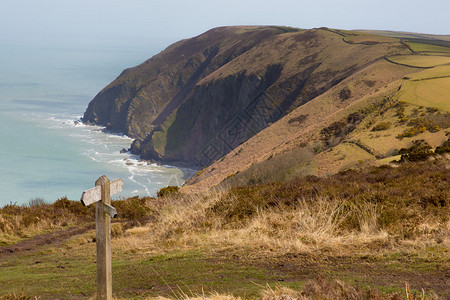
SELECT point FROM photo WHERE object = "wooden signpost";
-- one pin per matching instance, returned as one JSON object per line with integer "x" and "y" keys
{"x": 100, "y": 195}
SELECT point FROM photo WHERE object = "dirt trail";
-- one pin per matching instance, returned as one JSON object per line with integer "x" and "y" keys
{"x": 44, "y": 239}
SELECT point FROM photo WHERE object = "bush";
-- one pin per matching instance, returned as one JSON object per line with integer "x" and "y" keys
{"x": 335, "y": 132}
{"x": 419, "y": 151}
{"x": 400, "y": 112}
{"x": 133, "y": 209}
{"x": 419, "y": 125}
{"x": 64, "y": 205}
{"x": 345, "y": 94}
{"x": 168, "y": 191}
{"x": 381, "y": 126}
{"x": 298, "y": 119}
{"x": 432, "y": 109}
{"x": 35, "y": 202}
{"x": 444, "y": 148}
{"x": 439, "y": 119}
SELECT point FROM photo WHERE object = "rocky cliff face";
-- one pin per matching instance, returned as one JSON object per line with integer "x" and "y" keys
{"x": 202, "y": 97}
{"x": 142, "y": 97}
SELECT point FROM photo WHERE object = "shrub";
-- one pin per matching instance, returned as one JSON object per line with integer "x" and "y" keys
{"x": 35, "y": 202}
{"x": 73, "y": 207}
{"x": 400, "y": 112}
{"x": 336, "y": 131}
{"x": 444, "y": 148}
{"x": 168, "y": 191}
{"x": 381, "y": 126}
{"x": 419, "y": 125}
{"x": 345, "y": 93}
{"x": 432, "y": 109}
{"x": 420, "y": 150}
{"x": 298, "y": 119}
{"x": 134, "y": 209}
{"x": 439, "y": 119}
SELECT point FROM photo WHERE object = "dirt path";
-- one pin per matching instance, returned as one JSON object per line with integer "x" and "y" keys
{"x": 44, "y": 239}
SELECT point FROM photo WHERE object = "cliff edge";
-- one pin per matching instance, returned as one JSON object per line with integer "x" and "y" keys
{"x": 202, "y": 97}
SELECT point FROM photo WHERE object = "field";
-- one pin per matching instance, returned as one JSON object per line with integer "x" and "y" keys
{"x": 430, "y": 38}
{"x": 430, "y": 88}
{"x": 419, "y": 47}
{"x": 420, "y": 92}
{"x": 369, "y": 39}
{"x": 436, "y": 72}
{"x": 421, "y": 61}
{"x": 353, "y": 235}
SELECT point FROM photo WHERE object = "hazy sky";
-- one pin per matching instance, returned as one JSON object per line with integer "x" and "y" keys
{"x": 22, "y": 20}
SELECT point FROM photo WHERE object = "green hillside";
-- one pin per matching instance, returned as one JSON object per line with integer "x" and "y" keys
{"x": 363, "y": 120}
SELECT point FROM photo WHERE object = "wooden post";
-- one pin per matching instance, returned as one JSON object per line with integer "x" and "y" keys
{"x": 103, "y": 241}
{"x": 101, "y": 196}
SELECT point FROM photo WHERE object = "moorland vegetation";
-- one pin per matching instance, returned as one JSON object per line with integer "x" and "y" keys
{"x": 374, "y": 216}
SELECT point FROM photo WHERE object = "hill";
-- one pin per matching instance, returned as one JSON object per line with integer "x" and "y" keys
{"x": 243, "y": 101}
{"x": 363, "y": 120}
{"x": 142, "y": 102}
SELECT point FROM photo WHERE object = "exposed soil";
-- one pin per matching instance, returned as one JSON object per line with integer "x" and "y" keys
{"x": 44, "y": 239}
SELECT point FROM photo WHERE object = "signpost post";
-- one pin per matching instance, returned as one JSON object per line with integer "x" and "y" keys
{"x": 100, "y": 195}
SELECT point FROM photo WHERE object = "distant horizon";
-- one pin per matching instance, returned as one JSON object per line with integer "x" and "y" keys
{"x": 123, "y": 21}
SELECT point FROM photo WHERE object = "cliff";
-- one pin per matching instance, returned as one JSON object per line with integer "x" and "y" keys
{"x": 142, "y": 98}
{"x": 202, "y": 97}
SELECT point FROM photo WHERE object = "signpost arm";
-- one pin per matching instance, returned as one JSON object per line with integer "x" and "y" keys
{"x": 103, "y": 241}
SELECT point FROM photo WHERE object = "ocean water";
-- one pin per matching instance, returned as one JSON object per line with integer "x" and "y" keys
{"x": 45, "y": 153}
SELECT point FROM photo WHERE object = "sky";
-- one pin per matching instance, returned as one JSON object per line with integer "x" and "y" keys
{"x": 171, "y": 20}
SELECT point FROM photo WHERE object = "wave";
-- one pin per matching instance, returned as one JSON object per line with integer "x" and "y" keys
{"x": 104, "y": 150}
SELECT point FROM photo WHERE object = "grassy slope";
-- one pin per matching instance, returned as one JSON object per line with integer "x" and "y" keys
{"x": 427, "y": 48}
{"x": 311, "y": 62}
{"x": 429, "y": 88}
{"x": 411, "y": 35}
{"x": 422, "y": 61}
{"x": 372, "y": 229}
{"x": 370, "y": 87}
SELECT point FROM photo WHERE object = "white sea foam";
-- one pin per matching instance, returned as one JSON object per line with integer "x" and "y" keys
{"x": 103, "y": 149}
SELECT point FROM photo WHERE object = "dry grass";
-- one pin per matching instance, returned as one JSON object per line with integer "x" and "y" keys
{"x": 19, "y": 222}
{"x": 351, "y": 212}
{"x": 316, "y": 289}
{"x": 378, "y": 212}
{"x": 18, "y": 296}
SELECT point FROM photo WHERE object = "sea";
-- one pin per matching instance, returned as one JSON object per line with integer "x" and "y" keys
{"x": 46, "y": 152}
